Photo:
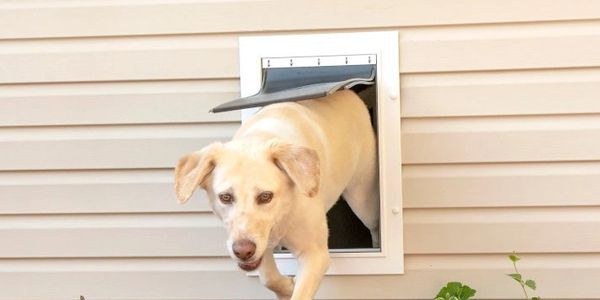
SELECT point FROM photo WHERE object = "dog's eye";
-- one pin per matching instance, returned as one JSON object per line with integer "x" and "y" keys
{"x": 264, "y": 197}
{"x": 226, "y": 198}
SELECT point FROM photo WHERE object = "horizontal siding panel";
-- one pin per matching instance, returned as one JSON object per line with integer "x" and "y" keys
{"x": 500, "y": 54}
{"x": 199, "y": 278}
{"x": 152, "y": 64}
{"x": 189, "y": 101}
{"x": 502, "y": 230}
{"x": 105, "y": 147}
{"x": 517, "y": 77}
{"x": 426, "y": 231}
{"x": 123, "y": 264}
{"x": 479, "y": 185}
{"x": 21, "y": 20}
{"x": 501, "y": 185}
{"x": 490, "y": 185}
{"x": 504, "y": 139}
{"x": 93, "y": 191}
{"x": 119, "y": 235}
{"x": 194, "y": 57}
{"x": 564, "y": 96}
{"x": 116, "y": 103}
{"x": 439, "y": 95}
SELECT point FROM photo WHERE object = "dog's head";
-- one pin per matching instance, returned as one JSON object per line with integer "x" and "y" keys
{"x": 251, "y": 187}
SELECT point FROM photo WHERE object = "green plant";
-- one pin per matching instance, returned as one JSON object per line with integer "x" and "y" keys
{"x": 529, "y": 283}
{"x": 455, "y": 291}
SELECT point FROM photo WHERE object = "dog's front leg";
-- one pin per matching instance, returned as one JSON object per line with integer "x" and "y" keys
{"x": 313, "y": 265}
{"x": 270, "y": 277}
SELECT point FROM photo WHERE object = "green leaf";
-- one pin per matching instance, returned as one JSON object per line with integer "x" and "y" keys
{"x": 467, "y": 292}
{"x": 516, "y": 276}
{"x": 442, "y": 293}
{"x": 445, "y": 292}
{"x": 530, "y": 283}
{"x": 454, "y": 288}
{"x": 455, "y": 291}
{"x": 536, "y": 298}
{"x": 514, "y": 258}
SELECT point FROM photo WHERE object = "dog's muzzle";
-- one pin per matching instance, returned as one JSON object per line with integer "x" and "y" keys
{"x": 244, "y": 250}
{"x": 250, "y": 266}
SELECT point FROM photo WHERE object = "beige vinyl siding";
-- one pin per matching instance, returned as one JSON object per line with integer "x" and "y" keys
{"x": 99, "y": 98}
{"x": 67, "y": 18}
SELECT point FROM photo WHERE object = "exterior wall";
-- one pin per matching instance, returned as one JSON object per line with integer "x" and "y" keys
{"x": 99, "y": 98}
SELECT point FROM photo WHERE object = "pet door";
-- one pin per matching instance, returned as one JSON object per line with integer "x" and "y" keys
{"x": 299, "y": 78}
{"x": 296, "y": 67}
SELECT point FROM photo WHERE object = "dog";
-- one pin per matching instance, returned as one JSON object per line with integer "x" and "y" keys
{"x": 274, "y": 182}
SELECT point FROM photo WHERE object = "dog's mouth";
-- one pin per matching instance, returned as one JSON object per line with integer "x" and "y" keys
{"x": 250, "y": 266}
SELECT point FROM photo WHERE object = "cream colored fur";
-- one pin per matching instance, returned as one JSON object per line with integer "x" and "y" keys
{"x": 307, "y": 154}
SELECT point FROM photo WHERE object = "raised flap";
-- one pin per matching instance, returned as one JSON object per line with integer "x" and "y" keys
{"x": 302, "y": 83}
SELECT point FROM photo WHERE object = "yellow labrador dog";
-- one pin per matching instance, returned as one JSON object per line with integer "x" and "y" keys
{"x": 274, "y": 182}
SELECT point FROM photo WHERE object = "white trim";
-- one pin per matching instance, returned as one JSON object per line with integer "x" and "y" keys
{"x": 385, "y": 46}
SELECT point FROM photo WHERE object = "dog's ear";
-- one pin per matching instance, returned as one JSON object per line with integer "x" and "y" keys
{"x": 193, "y": 170}
{"x": 300, "y": 164}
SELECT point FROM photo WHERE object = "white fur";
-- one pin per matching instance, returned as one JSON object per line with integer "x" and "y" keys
{"x": 307, "y": 154}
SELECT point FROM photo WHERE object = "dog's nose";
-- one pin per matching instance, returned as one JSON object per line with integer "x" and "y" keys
{"x": 244, "y": 249}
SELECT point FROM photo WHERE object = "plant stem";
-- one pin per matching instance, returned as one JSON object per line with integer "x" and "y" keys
{"x": 521, "y": 282}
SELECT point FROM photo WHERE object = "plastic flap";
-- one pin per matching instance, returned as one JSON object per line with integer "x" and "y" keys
{"x": 302, "y": 83}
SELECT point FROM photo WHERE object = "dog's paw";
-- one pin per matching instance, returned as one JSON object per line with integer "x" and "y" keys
{"x": 286, "y": 293}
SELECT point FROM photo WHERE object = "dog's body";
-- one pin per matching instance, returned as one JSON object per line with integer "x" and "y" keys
{"x": 275, "y": 181}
